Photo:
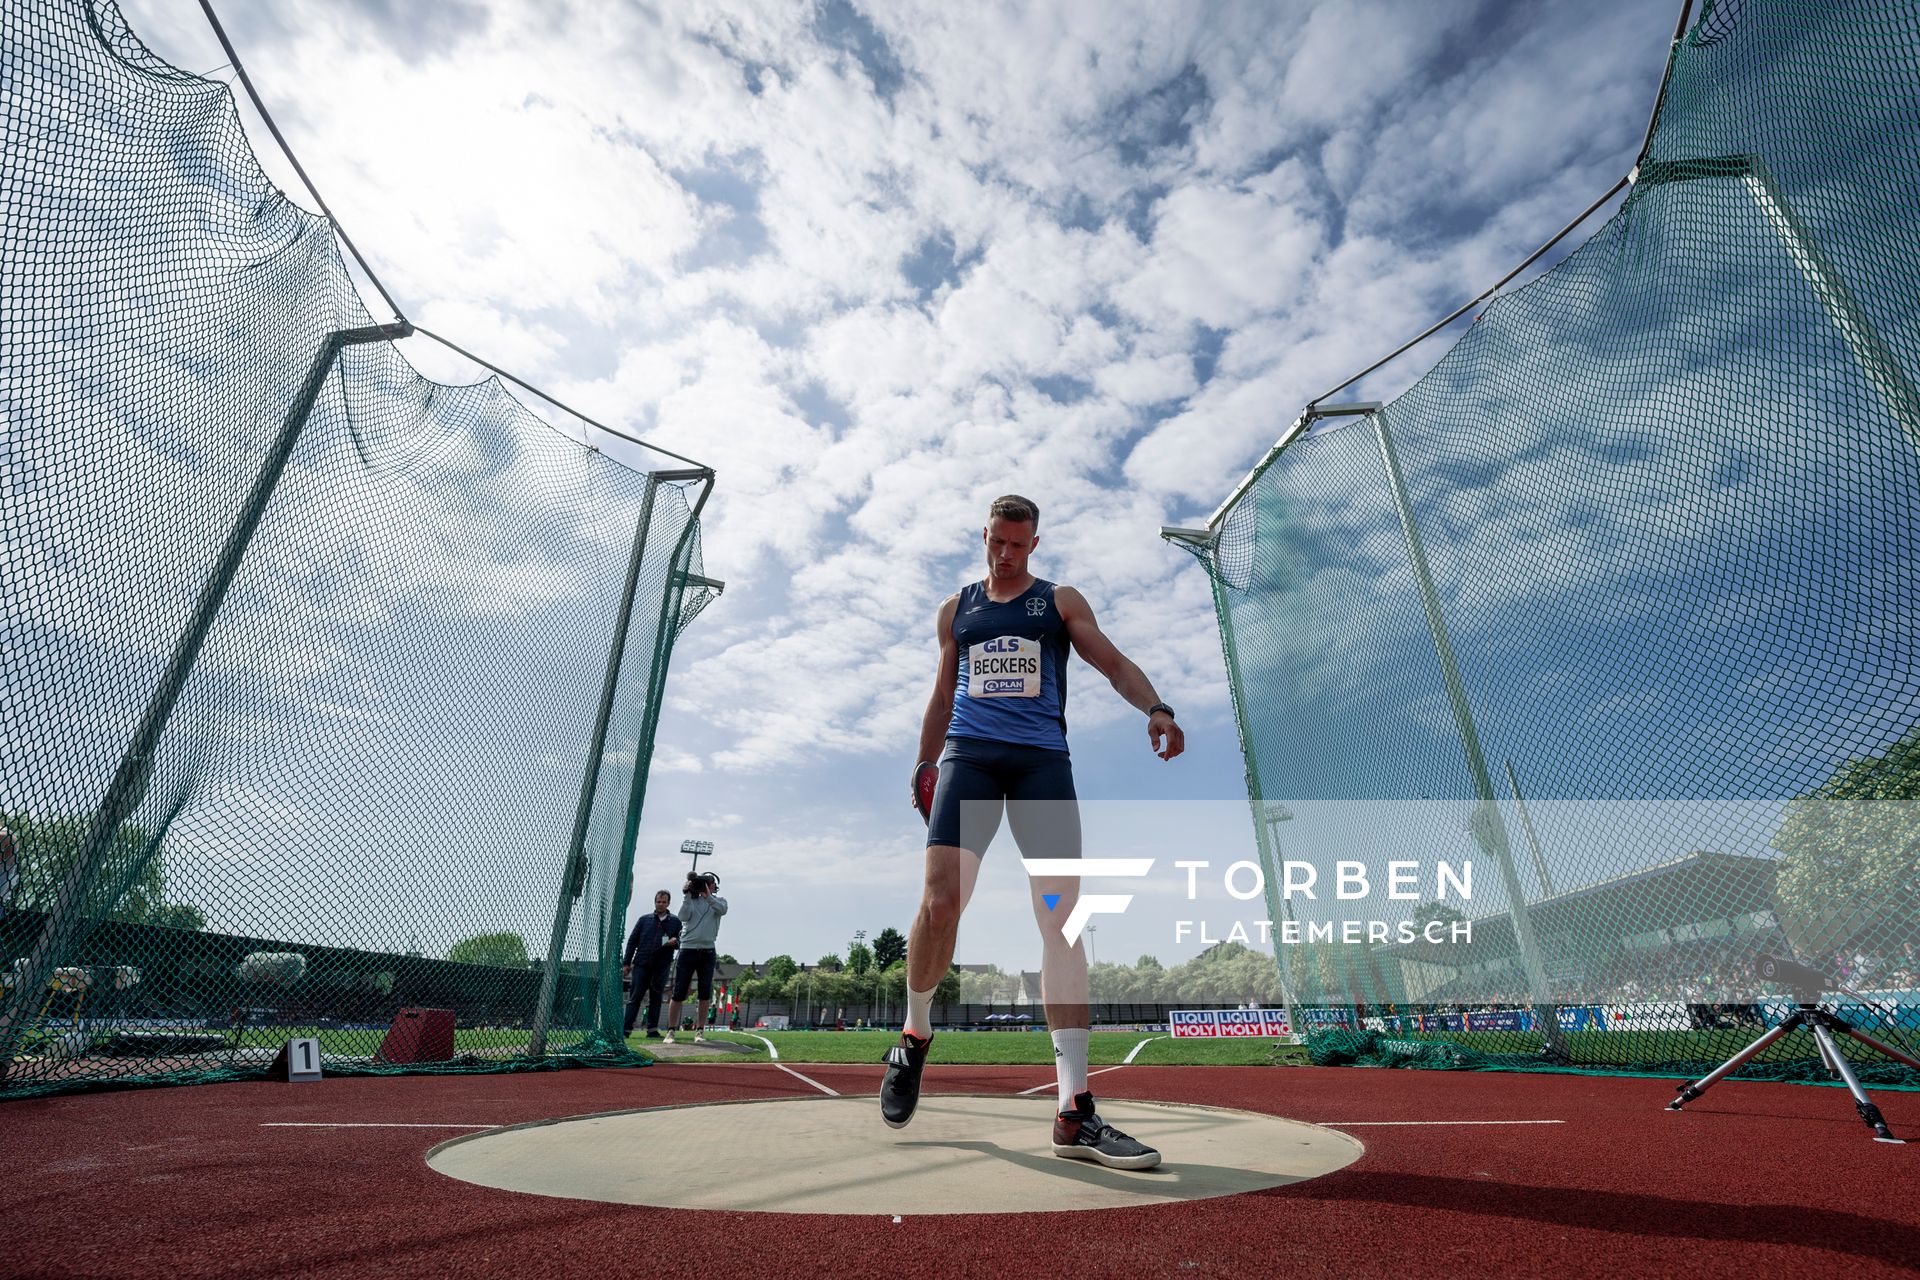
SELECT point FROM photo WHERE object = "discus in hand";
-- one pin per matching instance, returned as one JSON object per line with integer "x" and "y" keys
{"x": 926, "y": 777}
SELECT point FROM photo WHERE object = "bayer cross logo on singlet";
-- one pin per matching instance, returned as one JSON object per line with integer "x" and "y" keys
{"x": 1004, "y": 667}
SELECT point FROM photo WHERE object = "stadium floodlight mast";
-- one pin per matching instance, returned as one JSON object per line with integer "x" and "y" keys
{"x": 699, "y": 849}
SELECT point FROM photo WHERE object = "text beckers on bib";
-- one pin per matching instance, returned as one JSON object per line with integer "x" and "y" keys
{"x": 1004, "y": 667}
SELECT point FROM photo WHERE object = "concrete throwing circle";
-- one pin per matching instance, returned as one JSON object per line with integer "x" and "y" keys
{"x": 961, "y": 1154}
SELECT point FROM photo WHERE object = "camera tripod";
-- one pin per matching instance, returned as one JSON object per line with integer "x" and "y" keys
{"x": 1822, "y": 1025}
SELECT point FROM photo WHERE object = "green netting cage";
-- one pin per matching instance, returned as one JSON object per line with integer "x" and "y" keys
{"x": 1619, "y": 599}
{"x": 329, "y": 691}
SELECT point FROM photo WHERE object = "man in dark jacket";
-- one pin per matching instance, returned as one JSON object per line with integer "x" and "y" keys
{"x": 649, "y": 955}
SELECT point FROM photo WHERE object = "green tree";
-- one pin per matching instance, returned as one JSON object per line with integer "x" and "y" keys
{"x": 889, "y": 947}
{"x": 991, "y": 987}
{"x": 1850, "y": 855}
{"x": 830, "y": 962}
{"x": 499, "y": 950}
{"x": 859, "y": 959}
{"x": 781, "y": 968}
{"x": 179, "y": 915}
{"x": 129, "y": 884}
{"x": 1228, "y": 974}
{"x": 947, "y": 991}
{"x": 758, "y": 988}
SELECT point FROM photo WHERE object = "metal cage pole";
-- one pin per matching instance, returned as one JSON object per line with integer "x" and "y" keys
{"x": 1272, "y": 815}
{"x": 1889, "y": 379}
{"x": 1533, "y": 837}
{"x": 1489, "y": 828}
{"x": 135, "y": 770}
{"x": 573, "y": 875}
{"x": 665, "y": 632}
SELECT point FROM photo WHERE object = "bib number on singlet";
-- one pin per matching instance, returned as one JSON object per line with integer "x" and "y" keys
{"x": 1004, "y": 667}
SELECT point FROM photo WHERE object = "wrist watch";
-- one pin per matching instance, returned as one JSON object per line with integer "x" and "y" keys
{"x": 1160, "y": 706}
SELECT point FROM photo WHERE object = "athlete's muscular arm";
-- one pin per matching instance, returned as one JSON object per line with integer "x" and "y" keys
{"x": 1127, "y": 679}
{"x": 933, "y": 728}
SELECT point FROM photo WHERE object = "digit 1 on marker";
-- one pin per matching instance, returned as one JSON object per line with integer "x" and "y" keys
{"x": 298, "y": 1061}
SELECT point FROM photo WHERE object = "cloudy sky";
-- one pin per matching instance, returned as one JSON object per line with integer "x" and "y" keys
{"x": 877, "y": 264}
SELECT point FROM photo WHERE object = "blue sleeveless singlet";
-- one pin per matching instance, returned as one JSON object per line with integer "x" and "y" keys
{"x": 1013, "y": 668}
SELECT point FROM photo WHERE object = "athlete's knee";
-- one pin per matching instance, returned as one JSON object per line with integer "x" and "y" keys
{"x": 951, "y": 872}
{"x": 941, "y": 902}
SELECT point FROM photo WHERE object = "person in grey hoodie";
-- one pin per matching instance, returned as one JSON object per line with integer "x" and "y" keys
{"x": 700, "y": 911}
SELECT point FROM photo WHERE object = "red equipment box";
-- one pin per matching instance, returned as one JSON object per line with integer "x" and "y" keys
{"x": 418, "y": 1035}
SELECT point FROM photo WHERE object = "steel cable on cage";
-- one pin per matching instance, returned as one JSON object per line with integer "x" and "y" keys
{"x": 527, "y": 386}
{"x": 239, "y": 69}
{"x": 1626, "y": 180}
{"x": 253, "y": 94}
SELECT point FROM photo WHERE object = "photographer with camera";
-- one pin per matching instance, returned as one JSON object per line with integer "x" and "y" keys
{"x": 701, "y": 907}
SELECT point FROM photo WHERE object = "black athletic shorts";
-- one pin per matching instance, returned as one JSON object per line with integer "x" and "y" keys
{"x": 700, "y": 961}
{"x": 1033, "y": 785}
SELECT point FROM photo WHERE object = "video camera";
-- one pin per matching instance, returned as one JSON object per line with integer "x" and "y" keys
{"x": 701, "y": 883}
{"x": 1806, "y": 981}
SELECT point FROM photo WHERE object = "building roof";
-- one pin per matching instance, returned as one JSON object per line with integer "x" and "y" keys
{"x": 1700, "y": 887}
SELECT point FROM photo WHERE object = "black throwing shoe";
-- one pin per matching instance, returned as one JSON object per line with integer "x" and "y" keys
{"x": 1080, "y": 1134}
{"x": 900, "y": 1090}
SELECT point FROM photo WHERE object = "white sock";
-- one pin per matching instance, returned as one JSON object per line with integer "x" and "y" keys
{"x": 920, "y": 1014}
{"x": 1070, "y": 1060}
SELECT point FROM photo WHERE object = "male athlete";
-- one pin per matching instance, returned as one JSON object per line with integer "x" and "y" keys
{"x": 999, "y": 706}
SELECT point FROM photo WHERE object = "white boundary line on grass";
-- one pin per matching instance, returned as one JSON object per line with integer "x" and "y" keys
{"x": 771, "y": 1051}
{"x": 1128, "y": 1060}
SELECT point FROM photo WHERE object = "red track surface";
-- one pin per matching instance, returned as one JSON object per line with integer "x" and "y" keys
{"x": 1752, "y": 1179}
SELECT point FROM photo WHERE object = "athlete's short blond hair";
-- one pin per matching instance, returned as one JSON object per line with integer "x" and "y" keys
{"x": 1011, "y": 506}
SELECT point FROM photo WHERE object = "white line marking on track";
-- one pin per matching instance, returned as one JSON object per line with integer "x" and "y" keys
{"x": 363, "y": 1124}
{"x": 1128, "y": 1060}
{"x": 1055, "y": 1084}
{"x": 809, "y": 1079}
{"x": 1356, "y": 1124}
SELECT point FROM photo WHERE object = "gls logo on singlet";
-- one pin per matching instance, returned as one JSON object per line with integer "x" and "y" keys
{"x": 1004, "y": 667}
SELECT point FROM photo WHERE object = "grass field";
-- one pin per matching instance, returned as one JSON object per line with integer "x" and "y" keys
{"x": 1105, "y": 1049}
{"x": 1108, "y": 1048}
{"x": 363, "y": 1043}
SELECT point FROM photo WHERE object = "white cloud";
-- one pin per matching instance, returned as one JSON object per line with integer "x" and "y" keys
{"x": 1158, "y": 229}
